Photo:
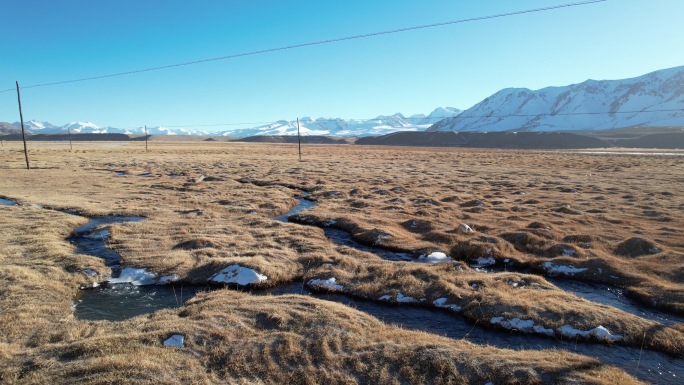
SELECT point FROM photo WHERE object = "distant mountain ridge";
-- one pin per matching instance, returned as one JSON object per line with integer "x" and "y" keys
{"x": 37, "y": 127}
{"x": 380, "y": 125}
{"x": 652, "y": 100}
{"x": 7, "y": 129}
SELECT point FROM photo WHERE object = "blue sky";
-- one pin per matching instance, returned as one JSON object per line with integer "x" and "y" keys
{"x": 410, "y": 72}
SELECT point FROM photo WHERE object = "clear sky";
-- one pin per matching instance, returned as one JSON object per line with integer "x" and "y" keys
{"x": 410, "y": 72}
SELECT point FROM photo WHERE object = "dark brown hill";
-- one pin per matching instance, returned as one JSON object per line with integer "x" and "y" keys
{"x": 520, "y": 140}
{"x": 666, "y": 140}
{"x": 314, "y": 139}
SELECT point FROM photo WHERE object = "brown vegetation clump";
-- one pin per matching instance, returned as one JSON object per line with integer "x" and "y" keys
{"x": 636, "y": 247}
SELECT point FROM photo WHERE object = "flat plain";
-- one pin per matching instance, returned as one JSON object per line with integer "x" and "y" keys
{"x": 497, "y": 221}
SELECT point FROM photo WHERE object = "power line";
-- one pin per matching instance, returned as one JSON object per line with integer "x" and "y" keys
{"x": 320, "y": 42}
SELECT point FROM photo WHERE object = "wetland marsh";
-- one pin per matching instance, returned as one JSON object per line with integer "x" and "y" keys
{"x": 501, "y": 225}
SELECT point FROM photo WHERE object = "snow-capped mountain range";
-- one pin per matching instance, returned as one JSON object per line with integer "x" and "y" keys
{"x": 322, "y": 126}
{"x": 652, "y": 100}
{"x": 349, "y": 128}
{"x": 37, "y": 127}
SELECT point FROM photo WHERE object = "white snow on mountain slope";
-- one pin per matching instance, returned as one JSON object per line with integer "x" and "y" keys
{"x": 590, "y": 105}
{"x": 83, "y": 128}
{"x": 384, "y": 124}
{"x": 381, "y": 125}
{"x": 37, "y": 127}
{"x": 34, "y": 125}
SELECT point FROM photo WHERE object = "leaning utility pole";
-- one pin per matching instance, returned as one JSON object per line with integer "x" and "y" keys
{"x": 299, "y": 140}
{"x": 23, "y": 134}
{"x": 71, "y": 146}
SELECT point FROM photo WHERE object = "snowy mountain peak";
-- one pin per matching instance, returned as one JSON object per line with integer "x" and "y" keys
{"x": 654, "y": 99}
{"x": 82, "y": 127}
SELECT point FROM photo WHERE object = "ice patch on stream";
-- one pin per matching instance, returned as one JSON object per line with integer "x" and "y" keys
{"x": 137, "y": 277}
{"x": 598, "y": 332}
{"x": 328, "y": 284}
{"x": 562, "y": 269}
{"x": 528, "y": 326}
{"x": 442, "y": 303}
{"x": 141, "y": 277}
{"x": 400, "y": 298}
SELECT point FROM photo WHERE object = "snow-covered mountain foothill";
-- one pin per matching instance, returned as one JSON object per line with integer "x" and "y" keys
{"x": 380, "y": 125}
{"x": 652, "y": 100}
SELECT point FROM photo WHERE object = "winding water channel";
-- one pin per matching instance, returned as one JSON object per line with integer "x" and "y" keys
{"x": 595, "y": 292}
{"x": 121, "y": 301}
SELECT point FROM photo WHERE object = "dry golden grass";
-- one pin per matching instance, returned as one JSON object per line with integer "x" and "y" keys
{"x": 195, "y": 229}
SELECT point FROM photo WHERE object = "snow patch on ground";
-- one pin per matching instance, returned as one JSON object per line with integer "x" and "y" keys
{"x": 401, "y": 298}
{"x": 561, "y": 269}
{"x": 526, "y": 326}
{"x": 168, "y": 279}
{"x": 382, "y": 237}
{"x": 598, "y": 332}
{"x": 329, "y": 284}
{"x": 442, "y": 302}
{"x": 404, "y": 298}
{"x": 238, "y": 274}
{"x": 435, "y": 257}
{"x": 91, "y": 286}
{"x": 176, "y": 341}
{"x": 486, "y": 261}
{"x": 137, "y": 277}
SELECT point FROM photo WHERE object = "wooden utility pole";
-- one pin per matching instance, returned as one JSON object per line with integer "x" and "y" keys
{"x": 299, "y": 140}
{"x": 146, "y": 138}
{"x": 71, "y": 146}
{"x": 23, "y": 133}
